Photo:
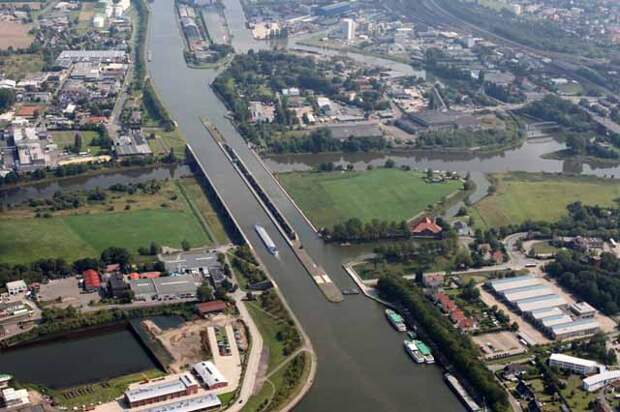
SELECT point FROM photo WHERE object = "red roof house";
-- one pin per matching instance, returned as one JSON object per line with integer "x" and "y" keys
{"x": 92, "y": 281}
{"x": 214, "y": 306}
{"x": 144, "y": 275}
{"x": 425, "y": 227}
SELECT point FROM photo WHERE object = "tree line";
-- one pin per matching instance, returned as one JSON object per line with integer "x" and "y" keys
{"x": 459, "y": 350}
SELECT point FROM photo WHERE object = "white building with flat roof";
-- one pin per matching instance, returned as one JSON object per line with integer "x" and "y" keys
{"x": 576, "y": 328}
{"x": 525, "y": 292}
{"x": 583, "y": 310}
{"x": 16, "y": 287}
{"x": 540, "y": 302}
{"x": 210, "y": 375}
{"x": 500, "y": 285}
{"x": 545, "y": 313}
{"x": 574, "y": 364}
{"x": 596, "y": 382}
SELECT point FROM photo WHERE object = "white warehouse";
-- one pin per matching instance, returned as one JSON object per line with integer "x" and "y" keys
{"x": 500, "y": 285}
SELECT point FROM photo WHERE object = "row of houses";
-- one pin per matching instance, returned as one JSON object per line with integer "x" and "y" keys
{"x": 456, "y": 315}
{"x": 534, "y": 299}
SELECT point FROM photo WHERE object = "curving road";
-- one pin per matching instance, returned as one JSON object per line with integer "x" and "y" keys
{"x": 362, "y": 365}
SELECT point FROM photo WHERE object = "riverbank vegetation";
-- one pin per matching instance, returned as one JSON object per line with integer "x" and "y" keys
{"x": 517, "y": 197}
{"x": 384, "y": 194}
{"x": 100, "y": 392}
{"x": 583, "y": 136}
{"x": 459, "y": 350}
{"x": 79, "y": 224}
{"x": 57, "y": 321}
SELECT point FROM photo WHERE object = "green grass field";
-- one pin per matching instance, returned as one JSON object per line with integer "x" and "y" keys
{"x": 522, "y": 196}
{"x": 268, "y": 327}
{"x": 384, "y": 194}
{"x": 73, "y": 237}
{"x": 66, "y": 139}
{"x": 90, "y": 229}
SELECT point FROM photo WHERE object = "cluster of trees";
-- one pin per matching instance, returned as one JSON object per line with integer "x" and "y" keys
{"x": 458, "y": 349}
{"x": 321, "y": 140}
{"x": 598, "y": 285}
{"x": 7, "y": 98}
{"x": 596, "y": 349}
{"x": 142, "y": 15}
{"x": 463, "y": 138}
{"x": 287, "y": 332}
{"x": 155, "y": 108}
{"x": 567, "y": 114}
{"x": 353, "y": 230}
{"x": 585, "y": 144}
{"x": 244, "y": 262}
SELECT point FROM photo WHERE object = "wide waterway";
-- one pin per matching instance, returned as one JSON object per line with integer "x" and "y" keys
{"x": 362, "y": 364}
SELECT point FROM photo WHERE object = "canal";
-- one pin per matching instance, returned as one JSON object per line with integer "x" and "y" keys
{"x": 362, "y": 364}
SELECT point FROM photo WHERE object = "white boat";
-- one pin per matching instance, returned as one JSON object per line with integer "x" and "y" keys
{"x": 412, "y": 351}
{"x": 262, "y": 233}
{"x": 396, "y": 320}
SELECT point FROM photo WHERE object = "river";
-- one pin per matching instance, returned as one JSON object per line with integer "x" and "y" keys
{"x": 362, "y": 364}
{"x": 46, "y": 190}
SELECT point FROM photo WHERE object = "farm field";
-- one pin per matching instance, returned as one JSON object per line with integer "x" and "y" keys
{"x": 17, "y": 66}
{"x": 129, "y": 221}
{"x": 15, "y": 35}
{"x": 522, "y": 196}
{"x": 328, "y": 198}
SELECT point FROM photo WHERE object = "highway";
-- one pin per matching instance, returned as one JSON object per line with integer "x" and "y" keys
{"x": 361, "y": 363}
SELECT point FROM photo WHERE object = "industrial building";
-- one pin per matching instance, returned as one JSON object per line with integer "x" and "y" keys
{"x": 182, "y": 385}
{"x": 583, "y": 310}
{"x": 573, "y": 364}
{"x": 526, "y": 292}
{"x": 13, "y": 398}
{"x": 529, "y": 296}
{"x": 163, "y": 288}
{"x": 500, "y": 285}
{"x": 576, "y": 328}
{"x": 16, "y": 287}
{"x": 540, "y": 314}
{"x": 200, "y": 403}
{"x": 539, "y": 302}
{"x": 335, "y": 9}
{"x": 596, "y": 382}
{"x": 210, "y": 375}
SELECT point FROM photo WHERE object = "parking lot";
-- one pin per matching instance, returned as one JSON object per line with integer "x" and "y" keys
{"x": 499, "y": 345}
{"x": 65, "y": 292}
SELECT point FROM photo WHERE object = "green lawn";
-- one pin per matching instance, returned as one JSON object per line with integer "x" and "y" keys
{"x": 66, "y": 138}
{"x": 522, "y": 196}
{"x": 385, "y": 194}
{"x": 543, "y": 248}
{"x": 577, "y": 398}
{"x": 268, "y": 327}
{"x": 199, "y": 199}
{"x": 72, "y": 237}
